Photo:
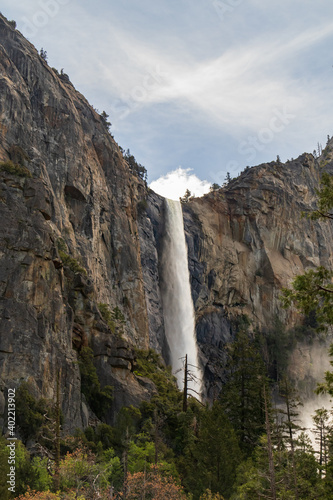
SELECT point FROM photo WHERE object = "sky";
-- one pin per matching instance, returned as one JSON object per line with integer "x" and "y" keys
{"x": 195, "y": 88}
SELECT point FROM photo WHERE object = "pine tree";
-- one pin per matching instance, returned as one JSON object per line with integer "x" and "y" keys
{"x": 289, "y": 425}
{"x": 242, "y": 396}
{"x": 319, "y": 149}
{"x": 322, "y": 429}
{"x": 104, "y": 116}
{"x": 186, "y": 197}
{"x": 43, "y": 54}
{"x": 212, "y": 453}
{"x": 313, "y": 291}
{"x": 271, "y": 465}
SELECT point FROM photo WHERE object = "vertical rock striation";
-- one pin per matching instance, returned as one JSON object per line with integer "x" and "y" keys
{"x": 247, "y": 241}
{"x": 80, "y": 195}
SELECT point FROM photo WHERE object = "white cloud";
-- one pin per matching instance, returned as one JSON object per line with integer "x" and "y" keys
{"x": 237, "y": 90}
{"x": 174, "y": 184}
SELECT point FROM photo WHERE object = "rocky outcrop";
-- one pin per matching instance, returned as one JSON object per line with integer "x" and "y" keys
{"x": 246, "y": 242}
{"x": 150, "y": 224}
{"x": 250, "y": 239}
{"x": 68, "y": 236}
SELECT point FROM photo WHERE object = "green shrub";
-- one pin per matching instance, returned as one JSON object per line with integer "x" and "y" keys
{"x": 35, "y": 418}
{"x": 18, "y": 155}
{"x": 15, "y": 169}
{"x": 98, "y": 399}
{"x": 115, "y": 319}
{"x": 29, "y": 472}
{"x": 107, "y": 316}
{"x": 29, "y": 412}
{"x": 67, "y": 260}
{"x": 72, "y": 263}
{"x": 118, "y": 315}
{"x": 61, "y": 245}
{"x": 149, "y": 364}
{"x": 103, "y": 436}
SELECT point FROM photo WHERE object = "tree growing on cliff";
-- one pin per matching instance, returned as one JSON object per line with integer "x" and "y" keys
{"x": 135, "y": 167}
{"x": 228, "y": 178}
{"x": 104, "y": 116}
{"x": 186, "y": 197}
{"x": 36, "y": 418}
{"x": 313, "y": 291}
{"x": 43, "y": 54}
{"x": 99, "y": 399}
{"x": 12, "y": 24}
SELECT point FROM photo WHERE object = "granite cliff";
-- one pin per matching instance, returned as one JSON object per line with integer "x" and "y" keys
{"x": 79, "y": 229}
{"x": 80, "y": 197}
{"x": 245, "y": 242}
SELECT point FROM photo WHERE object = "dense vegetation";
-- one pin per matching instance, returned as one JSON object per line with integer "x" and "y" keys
{"x": 239, "y": 448}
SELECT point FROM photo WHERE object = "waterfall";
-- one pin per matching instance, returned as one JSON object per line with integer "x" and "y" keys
{"x": 177, "y": 301}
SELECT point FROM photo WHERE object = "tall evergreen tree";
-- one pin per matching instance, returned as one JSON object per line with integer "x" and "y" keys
{"x": 289, "y": 425}
{"x": 322, "y": 429}
{"x": 211, "y": 454}
{"x": 242, "y": 396}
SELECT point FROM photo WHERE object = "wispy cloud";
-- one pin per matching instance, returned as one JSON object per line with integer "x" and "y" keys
{"x": 239, "y": 88}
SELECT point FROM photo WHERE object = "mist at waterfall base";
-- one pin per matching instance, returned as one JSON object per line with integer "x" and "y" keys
{"x": 178, "y": 310}
{"x": 307, "y": 368}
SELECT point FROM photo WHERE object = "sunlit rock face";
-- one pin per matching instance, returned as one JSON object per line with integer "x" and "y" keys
{"x": 80, "y": 193}
{"x": 246, "y": 242}
{"x": 250, "y": 239}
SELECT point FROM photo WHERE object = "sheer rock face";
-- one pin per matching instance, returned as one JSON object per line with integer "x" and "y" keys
{"x": 245, "y": 242}
{"x": 81, "y": 193}
{"x": 250, "y": 239}
{"x": 151, "y": 226}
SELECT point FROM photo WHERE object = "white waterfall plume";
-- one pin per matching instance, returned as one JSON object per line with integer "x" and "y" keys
{"x": 177, "y": 299}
